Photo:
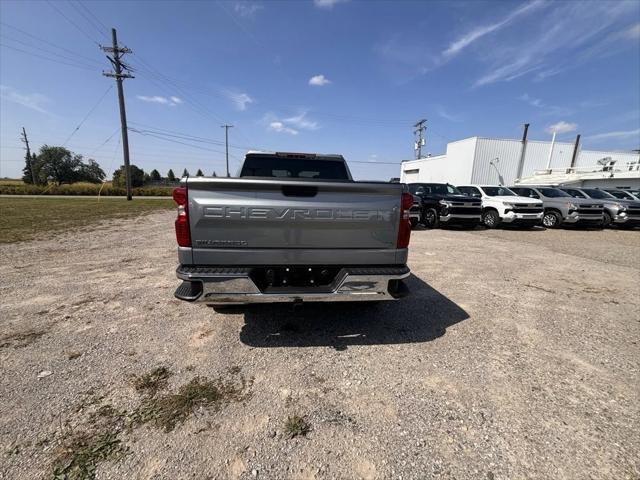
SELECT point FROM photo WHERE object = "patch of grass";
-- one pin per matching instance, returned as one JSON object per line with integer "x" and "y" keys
{"x": 27, "y": 218}
{"x": 79, "y": 455}
{"x": 153, "y": 381}
{"x": 80, "y": 452}
{"x": 167, "y": 411}
{"x": 296, "y": 426}
{"x": 17, "y": 187}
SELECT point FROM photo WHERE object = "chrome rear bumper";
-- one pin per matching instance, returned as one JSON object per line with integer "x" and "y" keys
{"x": 229, "y": 285}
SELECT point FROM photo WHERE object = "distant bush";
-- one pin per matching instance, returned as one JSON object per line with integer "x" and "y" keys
{"x": 88, "y": 189}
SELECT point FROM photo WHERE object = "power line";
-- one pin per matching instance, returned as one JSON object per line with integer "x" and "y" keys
{"x": 50, "y": 52}
{"x": 106, "y": 29}
{"x": 101, "y": 32}
{"x": 81, "y": 66}
{"x": 87, "y": 115}
{"x": 23, "y": 32}
{"x": 72, "y": 22}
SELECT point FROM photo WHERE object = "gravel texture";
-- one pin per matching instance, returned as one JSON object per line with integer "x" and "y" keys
{"x": 516, "y": 356}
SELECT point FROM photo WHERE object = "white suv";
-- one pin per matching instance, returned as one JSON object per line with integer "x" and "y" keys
{"x": 501, "y": 205}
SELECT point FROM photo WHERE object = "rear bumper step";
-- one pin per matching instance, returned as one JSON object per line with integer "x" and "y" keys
{"x": 233, "y": 285}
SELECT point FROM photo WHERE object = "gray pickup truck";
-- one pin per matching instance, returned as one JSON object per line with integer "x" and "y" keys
{"x": 291, "y": 228}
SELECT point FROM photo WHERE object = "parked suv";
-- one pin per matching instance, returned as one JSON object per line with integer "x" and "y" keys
{"x": 501, "y": 205}
{"x": 616, "y": 211}
{"x": 444, "y": 203}
{"x": 623, "y": 194}
{"x": 560, "y": 207}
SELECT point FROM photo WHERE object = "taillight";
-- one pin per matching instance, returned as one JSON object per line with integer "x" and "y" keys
{"x": 182, "y": 222}
{"x": 404, "y": 229}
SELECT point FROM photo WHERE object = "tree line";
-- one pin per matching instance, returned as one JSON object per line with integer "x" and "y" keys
{"x": 59, "y": 165}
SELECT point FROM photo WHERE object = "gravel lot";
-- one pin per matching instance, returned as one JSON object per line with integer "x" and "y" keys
{"x": 516, "y": 356}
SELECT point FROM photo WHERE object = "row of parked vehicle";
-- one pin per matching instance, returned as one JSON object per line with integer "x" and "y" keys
{"x": 527, "y": 206}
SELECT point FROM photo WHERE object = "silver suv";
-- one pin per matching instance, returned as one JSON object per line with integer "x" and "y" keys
{"x": 561, "y": 208}
{"x": 616, "y": 211}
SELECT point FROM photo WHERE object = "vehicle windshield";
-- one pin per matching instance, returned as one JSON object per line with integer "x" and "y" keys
{"x": 434, "y": 188}
{"x": 594, "y": 193}
{"x": 620, "y": 194}
{"x": 282, "y": 167}
{"x": 553, "y": 193}
{"x": 498, "y": 192}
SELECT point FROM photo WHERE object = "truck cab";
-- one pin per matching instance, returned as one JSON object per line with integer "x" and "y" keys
{"x": 443, "y": 203}
{"x": 501, "y": 205}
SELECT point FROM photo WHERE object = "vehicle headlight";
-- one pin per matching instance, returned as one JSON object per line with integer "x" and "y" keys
{"x": 572, "y": 206}
{"x": 509, "y": 205}
{"x": 620, "y": 207}
{"x": 446, "y": 203}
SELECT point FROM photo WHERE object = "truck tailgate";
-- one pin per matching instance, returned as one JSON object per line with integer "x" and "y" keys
{"x": 252, "y": 215}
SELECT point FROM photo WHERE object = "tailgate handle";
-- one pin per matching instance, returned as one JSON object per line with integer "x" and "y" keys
{"x": 299, "y": 191}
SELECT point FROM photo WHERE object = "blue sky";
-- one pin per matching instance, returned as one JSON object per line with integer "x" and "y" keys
{"x": 346, "y": 77}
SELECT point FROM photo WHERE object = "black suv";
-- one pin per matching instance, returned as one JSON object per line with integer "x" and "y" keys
{"x": 443, "y": 203}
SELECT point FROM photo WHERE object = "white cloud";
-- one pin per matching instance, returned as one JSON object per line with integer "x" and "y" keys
{"x": 543, "y": 107}
{"x": 280, "y": 127}
{"x": 328, "y": 4}
{"x": 562, "y": 127}
{"x": 171, "y": 101}
{"x": 247, "y": 9}
{"x": 291, "y": 125}
{"x": 451, "y": 117}
{"x": 479, "y": 32}
{"x": 240, "y": 100}
{"x": 616, "y": 135}
{"x": 32, "y": 101}
{"x": 319, "y": 81}
{"x": 301, "y": 121}
{"x": 633, "y": 32}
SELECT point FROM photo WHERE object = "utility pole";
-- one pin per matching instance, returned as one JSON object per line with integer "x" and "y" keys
{"x": 119, "y": 66}
{"x": 25, "y": 140}
{"x": 420, "y": 127}
{"x": 226, "y": 144}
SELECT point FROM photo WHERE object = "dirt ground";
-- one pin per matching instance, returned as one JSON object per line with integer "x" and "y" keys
{"x": 516, "y": 356}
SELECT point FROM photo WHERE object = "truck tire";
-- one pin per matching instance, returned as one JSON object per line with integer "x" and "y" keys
{"x": 551, "y": 219}
{"x": 414, "y": 223}
{"x": 606, "y": 219}
{"x": 490, "y": 218}
{"x": 430, "y": 218}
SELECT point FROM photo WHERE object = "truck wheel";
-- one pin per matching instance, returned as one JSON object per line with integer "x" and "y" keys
{"x": 606, "y": 219}
{"x": 551, "y": 219}
{"x": 414, "y": 223}
{"x": 490, "y": 218}
{"x": 430, "y": 218}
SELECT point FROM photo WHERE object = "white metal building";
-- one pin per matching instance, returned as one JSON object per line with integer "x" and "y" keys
{"x": 496, "y": 161}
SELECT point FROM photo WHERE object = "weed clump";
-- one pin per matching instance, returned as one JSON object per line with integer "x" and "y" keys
{"x": 150, "y": 383}
{"x": 167, "y": 411}
{"x": 296, "y": 426}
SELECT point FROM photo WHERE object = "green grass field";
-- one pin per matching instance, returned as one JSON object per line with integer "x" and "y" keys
{"x": 18, "y": 187}
{"x": 31, "y": 218}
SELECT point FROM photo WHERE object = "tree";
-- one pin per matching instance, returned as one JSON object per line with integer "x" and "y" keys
{"x": 155, "y": 175}
{"x": 137, "y": 177}
{"x": 59, "y": 165}
{"x": 214, "y": 173}
{"x": 91, "y": 172}
{"x": 146, "y": 178}
{"x": 185, "y": 173}
{"x": 27, "y": 172}
{"x": 171, "y": 176}
{"x": 199, "y": 173}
